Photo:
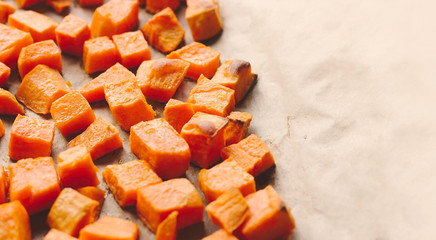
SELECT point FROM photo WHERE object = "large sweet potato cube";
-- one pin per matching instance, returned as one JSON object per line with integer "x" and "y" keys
{"x": 5, "y": 71}
{"x": 155, "y": 6}
{"x": 203, "y": 17}
{"x": 44, "y": 52}
{"x": 14, "y": 221}
{"x": 178, "y": 113}
{"x": 71, "y": 34}
{"x": 110, "y": 228}
{"x": 237, "y": 128}
{"x": 3, "y": 184}
{"x": 99, "y": 54}
{"x": 96, "y": 194}
{"x": 38, "y": 25}
{"x": 9, "y": 104}
{"x": 11, "y": 42}
{"x": 132, "y": 49}
{"x": 55, "y": 234}
{"x": 5, "y": 11}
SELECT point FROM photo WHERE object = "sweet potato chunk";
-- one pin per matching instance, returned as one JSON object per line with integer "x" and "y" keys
{"x": 3, "y": 182}
{"x": 220, "y": 235}
{"x": 27, "y": 3}
{"x": 251, "y": 154}
{"x": 178, "y": 113}
{"x": 205, "y": 136}
{"x": 163, "y": 31}
{"x": 237, "y": 128}
{"x": 8, "y": 104}
{"x": 158, "y": 143}
{"x": 38, "y": 25}
{"x": 203, "y": 17}
{"x": 160, "y": 78}
{"x": 11, "y": 42}
{"x": 127, "y": 103}
{"x": 2, "y": 129}
{"x": 71, "y": 212}
{"x": 110, "y": 228}
{"x": 124, "y": 180}
{"x": 90, "y": 3}
{"x": 202, "y": 59}
{"x": 132, "y": 49}
{"x": 72, "y": 113}
{"x": 155, "y": 6}
{"x": 30, "y": 137}
{"x": 14, "y": 222}
{"x": 100, "y": 138}
{"x": 71, "y": 34}
{"x": 156, "y": 202}
{"x": 95, "y": 194}
{"x": 5, "y": 71}
{"x": 34, "y": 182}
{"x": 58, "y": 5}
{"x": 167, "y": 230}
{"x": 5, "y": 11}
{"x": 99, "y": 54}
{"x": 55, "y": 234}
{"x": 44, "y": 52}
{"x": 114, "y": 17}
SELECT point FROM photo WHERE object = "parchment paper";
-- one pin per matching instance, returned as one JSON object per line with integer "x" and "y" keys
{"x": 345, "y": 101}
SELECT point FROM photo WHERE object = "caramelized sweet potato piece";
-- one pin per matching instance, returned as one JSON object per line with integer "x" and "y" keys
{"x": 27, "y": 3}
{"x": 162, "y": 147}
{"x": 110, "y": 228}
{"x": 71, "y": 34}
{"x": 3, "y": 182}
{"x": 163, "y": 31}
{"x": 99, "y": 54}
{"x": 44, "y": 52}
{"x": 38, "y": 25}
{"x": 11, "y": 42}
{"x": 5, "y": 71}
{"x": 34, "y": 182}
{"x": 202, "y": 59}
{"x": 205, "y": 135}
{"x": 178, "y": 113}
{"x": 58, "y": 5}
{"x": 203, "y": 17}
{"x": 96, "y": 194}
{"x": 160, "y": 78}
{"x": 5, "y": 11}
{"x": 30, "y": 137}
{"x": 55, "y": 234}
{"x": 155, "y": 6}
{"x": 220, "y": 235}
{"x": 132, "y": 49}
{"x": 90, "y": 3}
{"x": 167, "y": 230}
{"x": 237, "y": 128}
{"x": 8, "y": 104}
{"x": 14, "y": 222}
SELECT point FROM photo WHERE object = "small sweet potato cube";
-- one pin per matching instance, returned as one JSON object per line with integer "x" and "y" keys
{"x": 72, "y": 113}
{"x": 127, "y": 103}
{"x": 203, "y": 17}
{"x": 132, "y": 49}
{"x": 14, "y": 221}
{"x": 27, "y": 3}
{"x": 178, "y": 113}
{"x": 224, "y": 176}
{"x": 161, "y": 146}
{"x": 251, "y": 154}
{"x": 160, "y": 78}
{"x": 30, "y": 137}
{"x": 99, "y": 54}
{"x": 8, "y": 104}
{"x": 5, "y": 71}
{"x": 268, "y": 218}
{"x": 5, "y": 11}
{"x": 100, "y": 138}
{"x": 205, "y": 135}
{"x": 202, "y": 59}
{"x": 38, "y": 25}
{"x": 124, "y": 180}
{"x": 110, "y": 228}
{"x": 71, "y": 212}
{"x": 90, "y": 3}
{"x": 237, "y": 128}
{"x": 34, "y": 182}
{"x": 163, "y": 31}
{"x": 115, "y": 17}
{"x": 155, "y": 6}
{"x": 44, "y": 52}
{"x": 76, "y": 168}
{"x": 40, "y": 88}
{"x": 3, "y": 182}
{"x": 2, "y": 129}
{"x": 11, "y": 42}
{"x": 58, "y": 5}
{"x": 220, "y": 235}
{"x": 55, "y": 234}
{"x": 156, "y": 202}
{"x": 167, "y": 230}
{"x": 96, "y": 194}
{"x": 71, "y": 34}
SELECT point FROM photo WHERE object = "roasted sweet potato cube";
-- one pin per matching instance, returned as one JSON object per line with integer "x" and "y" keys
{"x": 38, "y": 25}
{"x": 178, "y": 113}
{"x": 237, "y": 128}
{"x": 99, "y": 54}
{"x": 202, "y": 59}
{"x": 14, "y": 222}
{"x": 163, "y": 31}
{"x": 100, "y": 138}
{"x": 124, "y": 180}
{"x": 11, "y": 42}
{"x": 34, "y": 182}
{"x": 2, "y": 129}
{"x": 5, "y": 71}
{"x": 161, "y": 146}
{"x": 203, "y": 17}
{"x": 5, "y": 11}
{"x": 155, "y": 6}
{"x": 30, "y": 137}
{"x": 205, "y": 135}
{"x": 44, "y": 52}
{"x": 132, "y": 49}
{"x": 8, "y": 104}
{"x": 3, "y": 182}
{"x": 156, "y": 202}
{"x": 160, "y": 78}
{"x": 55, "y": 234}
{"x": 167, "y": 230}
{"x": 58, "y": 5}
{"x": 96, "y": 194}
{"x": 71, "y": 212}
{"x": 71, "y": 34}
{"x": 90, "y": 3}
{"x": 251, "y": 154}
{"x": 127, "y": 103}
{"x": 220, "y": 235}
{"x": 27, "y": 3}
{"x": 110, "y": 228}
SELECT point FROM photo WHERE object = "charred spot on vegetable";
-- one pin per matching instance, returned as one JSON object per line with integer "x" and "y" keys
{"x": 238, "y": 66}
{"x": 283, "y": 207}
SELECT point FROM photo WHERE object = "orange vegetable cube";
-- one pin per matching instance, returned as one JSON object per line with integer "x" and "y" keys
{"x": 58, "y": 5}
{"x": 5, "y": 71}
{"x": 90, "y": 3}
{"x": 158, "y": 143}
{"x": 11, "y": 42}
{"x": 55, "y": 234}
{"x": 8, "y": 104}
{"x": 155, "y": 6}
{"x": 100, "y": 138}
{"x": 167, "y": 230}
{"x": 44, "y": 52}
{"x": 237, "y": 128}
{"x": 127, "y": 103}
{"x": 14, "y": 221}
{"x": 2, "y": 129}
{"x": 178, "y": 113}
{"x": 27, "y": 3}
{"x": 30, "y": 137}
{"x": 115, "y": 17}
{"x": 71, "y": 34}
{"x": 38, "y": 25}
{"x": 269, "y": 217}
{"x": 72, "y": 113}
{"x": 202, "y": 59}
{"x": 40, "y": 88}
{"x": 132, "y": 49}
{"x": 251, "y": 154}
{"x": 5, "y": 11}
{"x": 160, "y": 78}
{"x": 156, "y": 202}
{"x": 163, "y": 31}
{"x": 3, "y": 182}
{"x": 71, "y": 212}
{"x": 95, "y": 194}
{"x": 99, "y": 54}
{"x": 203, "y": 17}
{"x": 220, "y": 235}
{"x": 205, "y": 135}
{"x": 34, "y": 182}
{"x": 124, "y": 180}
{"x": 110, "y": 228}
{"x": 224, "y": 176}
